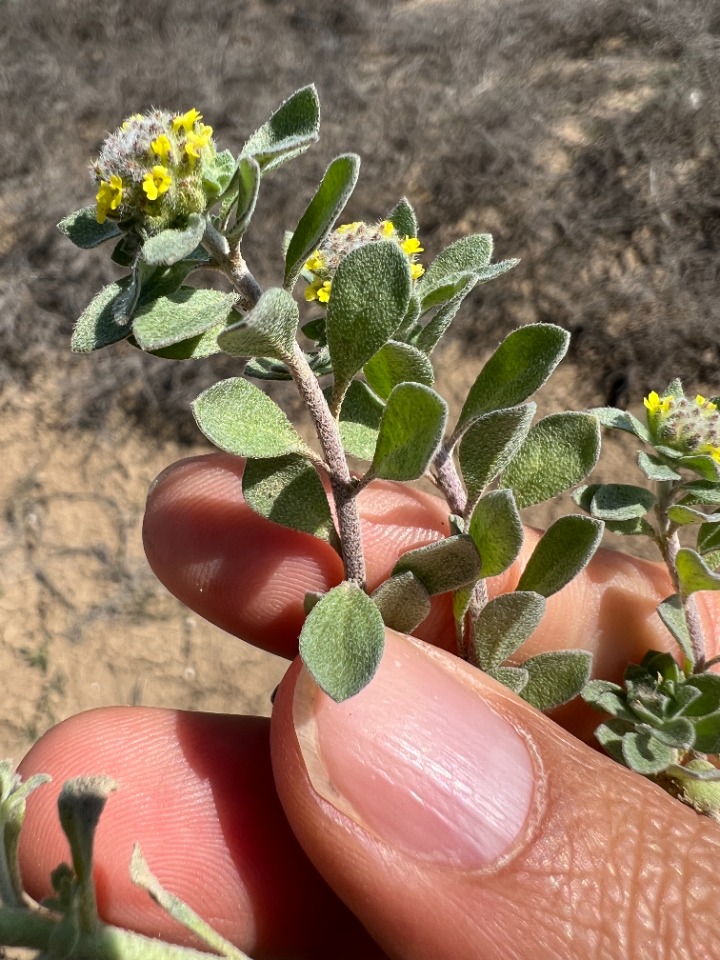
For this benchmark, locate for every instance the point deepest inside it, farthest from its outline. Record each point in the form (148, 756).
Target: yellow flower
(411, 245)
(318, 290)
(347, 227)
(196, 140)
(657, 405)
(187, 121)
(315, 262)
(416, 270)
(704, 404)
(162, 147)
(108, 197)
(156, 182)
(388, 228)
(135, 116)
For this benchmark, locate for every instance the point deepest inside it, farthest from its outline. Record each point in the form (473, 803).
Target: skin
(238, 815)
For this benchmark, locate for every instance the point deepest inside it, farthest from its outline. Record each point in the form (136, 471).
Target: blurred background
(583, 134)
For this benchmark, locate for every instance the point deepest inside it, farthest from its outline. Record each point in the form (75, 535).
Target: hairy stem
(230, 261)
(343, 487)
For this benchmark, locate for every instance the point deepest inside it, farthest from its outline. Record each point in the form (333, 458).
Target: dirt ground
(582, 134)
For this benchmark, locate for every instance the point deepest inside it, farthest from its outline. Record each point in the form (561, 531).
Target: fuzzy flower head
(151, 171)
(691, 427)
(321, 266)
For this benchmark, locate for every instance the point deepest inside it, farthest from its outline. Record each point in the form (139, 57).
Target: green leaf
(706, 467)
(82, 228)
(466, 255)
(97, 325)
(242, 196)
(125, 252)
(457, 285)
(621, 420)
(402, 217)
(707, 734)
(621, 501)
(288, 491)
(342, 641)
(709, 700)
(370, 295)
(360, 417)
(672, 614)
(240, 419)
(195, 348)
(267, 331)
(683, 516)
(520, 365)
(403, 602)
(610, 737)
(411, 431)
(583, 497)
(182, 315)
(708, 538)
(514, 678)
(396, 363)
(265, 368)
(427, 338)
(219, 174)
(702, 492)
(558, 452)
(693, 573)
(644, 753)
(497, 531)
(556, 677)
(170, 246)
(677, 733)
(490, 443)
(289, 132)
(607, 698)
(654, 469)
(504, 624)
(442, 565)
(561, 553)
(323, 210)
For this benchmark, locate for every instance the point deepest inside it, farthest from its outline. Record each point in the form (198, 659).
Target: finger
(196, 792)
(457, 822)
(250, 576)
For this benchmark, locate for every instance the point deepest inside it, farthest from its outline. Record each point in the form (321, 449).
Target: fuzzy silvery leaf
(497, 531)
(654, 469)
(267, 331)
(708, 538)
(583, 497)
(504, 624)
(466, 255)
(288, 491)
(342, 641)
(704, 466)
(677, 733)
(323, 210)
(520, 365)
(170, 246)
(195, 348)
(409, 323)
(315, 330)
(242, 197)
(701, 492)
(672, 614)
(162, 281)
(558, 453)
(240, 419)
(360, 417)
(97, 327)
(443, 565)
(217, 176)
(411, 431)
(402, 217)
(396, 363)
(82, 228)
(621, 501)
(490, 443)
(645, 754)
(184, 314)
(125, 252)
(621, 420)
(608, 698)
(707, 734)
(693, 573)
(514, 678)
(427, 338)
(289, 132)
(709, 700)
(370, 295)
(683, 516)
(461, 605)
(402, 601)
(561, 553)
(444, 289)
(265, 368)
(610, 736)
(555, 677)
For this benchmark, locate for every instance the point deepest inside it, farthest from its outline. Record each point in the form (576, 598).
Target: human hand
(452, 819)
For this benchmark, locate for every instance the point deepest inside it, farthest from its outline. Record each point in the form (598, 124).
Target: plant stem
(448, 481)
(341, 482)
(232, 264)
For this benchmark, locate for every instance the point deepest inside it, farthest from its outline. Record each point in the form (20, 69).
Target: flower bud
(691, 427)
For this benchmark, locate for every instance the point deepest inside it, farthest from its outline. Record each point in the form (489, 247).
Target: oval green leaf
(170, 246)
(504, 624)
(269, 329)
(693, 573)
(180, 316)
(288, 491)
(490, 443)
(411, 431)
(396, 363)
(402, 601)
(443, 565)
(289, 132)
(561, 553)
(82, 228)
(556, 677)
(497, 531)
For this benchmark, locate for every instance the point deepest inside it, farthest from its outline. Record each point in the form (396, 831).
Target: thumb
(457, 822)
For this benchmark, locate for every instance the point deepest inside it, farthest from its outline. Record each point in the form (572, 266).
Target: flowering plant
(171, 204)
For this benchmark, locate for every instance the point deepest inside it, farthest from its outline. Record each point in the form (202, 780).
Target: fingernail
(419, 760)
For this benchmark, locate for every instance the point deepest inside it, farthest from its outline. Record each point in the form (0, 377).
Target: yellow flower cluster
(322, 263)
(109, 197)
(691, 427)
